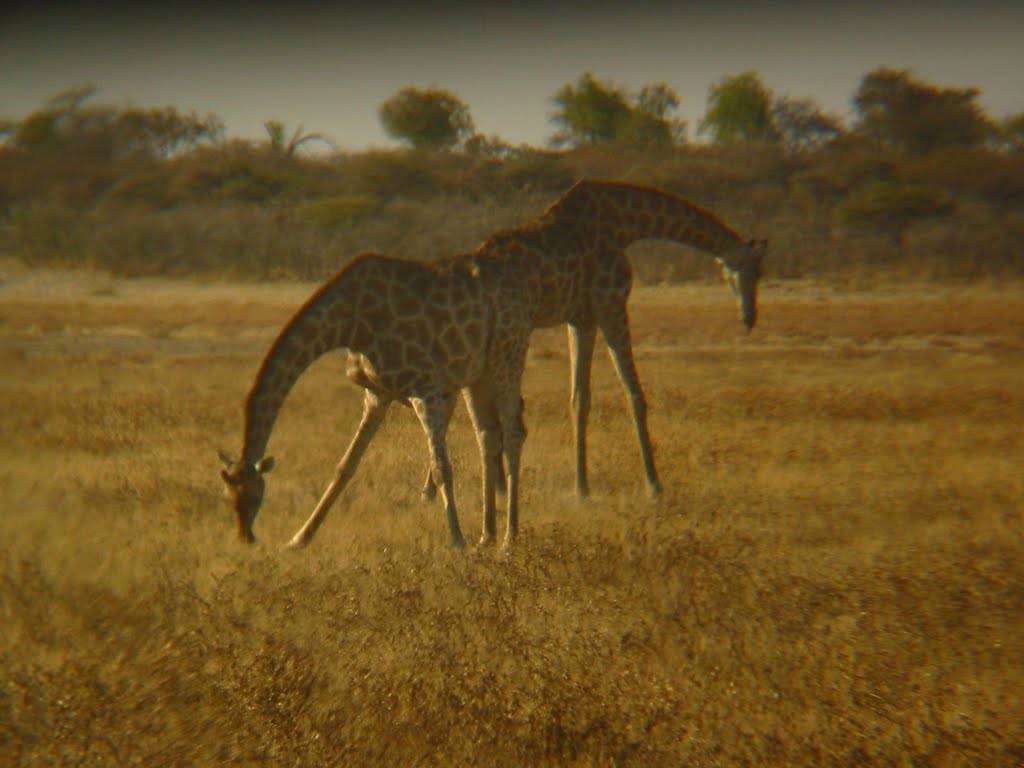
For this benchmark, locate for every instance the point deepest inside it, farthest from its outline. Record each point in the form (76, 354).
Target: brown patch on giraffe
(371, 300)
(474, 334)
(452, 339)
(407, 305)
(410, 329)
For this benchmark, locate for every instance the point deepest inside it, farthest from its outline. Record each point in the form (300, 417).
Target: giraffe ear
(226, 477)
(265, 464)
(225, 459)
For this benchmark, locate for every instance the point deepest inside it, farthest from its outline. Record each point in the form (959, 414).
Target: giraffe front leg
(581, 353)
(429, 492)
(620, 347)
(374, 409)
(434, 415)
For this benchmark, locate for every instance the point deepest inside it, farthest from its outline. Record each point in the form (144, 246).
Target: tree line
(918, 174)
(892, 108)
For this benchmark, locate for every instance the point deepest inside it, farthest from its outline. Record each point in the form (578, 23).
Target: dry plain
(834, 574)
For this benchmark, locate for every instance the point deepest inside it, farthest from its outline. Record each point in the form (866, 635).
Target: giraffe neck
(625, 213)
(317, 328)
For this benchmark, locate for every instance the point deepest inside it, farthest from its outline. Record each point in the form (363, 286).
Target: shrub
(45, 234)
(338, 211)
(889, 208)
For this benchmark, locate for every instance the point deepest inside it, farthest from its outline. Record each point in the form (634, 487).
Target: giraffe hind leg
(513, 431)
(429, 492)
(513, 436)
(434, 415)
(581, 353)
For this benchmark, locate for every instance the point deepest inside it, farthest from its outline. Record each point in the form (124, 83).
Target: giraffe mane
(583, 186)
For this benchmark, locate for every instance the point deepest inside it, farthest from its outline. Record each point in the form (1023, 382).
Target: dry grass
(834, 575)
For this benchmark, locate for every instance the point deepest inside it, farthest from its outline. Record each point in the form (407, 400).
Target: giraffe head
(244, 489)
(742, 268)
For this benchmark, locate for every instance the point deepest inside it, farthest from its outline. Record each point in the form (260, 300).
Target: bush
(338, 211)
(889, 208)
(241, 208)
(389, 175)
(45, 234)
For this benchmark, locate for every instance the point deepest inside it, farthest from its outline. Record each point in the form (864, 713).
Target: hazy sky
(330, 70)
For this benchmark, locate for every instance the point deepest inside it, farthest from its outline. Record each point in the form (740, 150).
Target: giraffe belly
(414, 378)
(361, 371)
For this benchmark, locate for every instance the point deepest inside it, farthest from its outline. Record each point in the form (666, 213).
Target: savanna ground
(834, 574)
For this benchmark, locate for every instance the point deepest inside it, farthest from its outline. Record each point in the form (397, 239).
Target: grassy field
(833, 576)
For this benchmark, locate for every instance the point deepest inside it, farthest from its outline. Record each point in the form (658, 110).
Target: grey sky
(329, 71)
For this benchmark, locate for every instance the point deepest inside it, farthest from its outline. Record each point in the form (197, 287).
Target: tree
(164, 131)
(289, 146)
(590, 112)
(426, 118)
(595, 112)
(739, 109)
(915, 117)
(649, 121)
(102, 132)
(889, 208)
(1011, 132)
(39, 130)
(801, 125)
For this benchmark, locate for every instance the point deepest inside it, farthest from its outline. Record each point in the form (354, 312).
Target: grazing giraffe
(579, 274)
(417, 333)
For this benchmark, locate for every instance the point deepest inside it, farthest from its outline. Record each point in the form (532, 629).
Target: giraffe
(416, 333)
(580, 274)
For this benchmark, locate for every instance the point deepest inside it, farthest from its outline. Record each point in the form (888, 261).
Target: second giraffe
(578, 273)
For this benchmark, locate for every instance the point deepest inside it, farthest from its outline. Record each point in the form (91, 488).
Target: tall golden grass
(833, 576)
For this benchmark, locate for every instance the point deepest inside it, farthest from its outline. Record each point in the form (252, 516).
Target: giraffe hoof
(458, 543)
(486, 540)
(296, 544)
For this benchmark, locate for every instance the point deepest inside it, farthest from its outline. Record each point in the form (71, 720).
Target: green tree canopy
(914, 117)
(739, 108)
(426, 118)
(100, 132)
(590, 112)
(649, 121)
(595, 112)
(801, 125)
